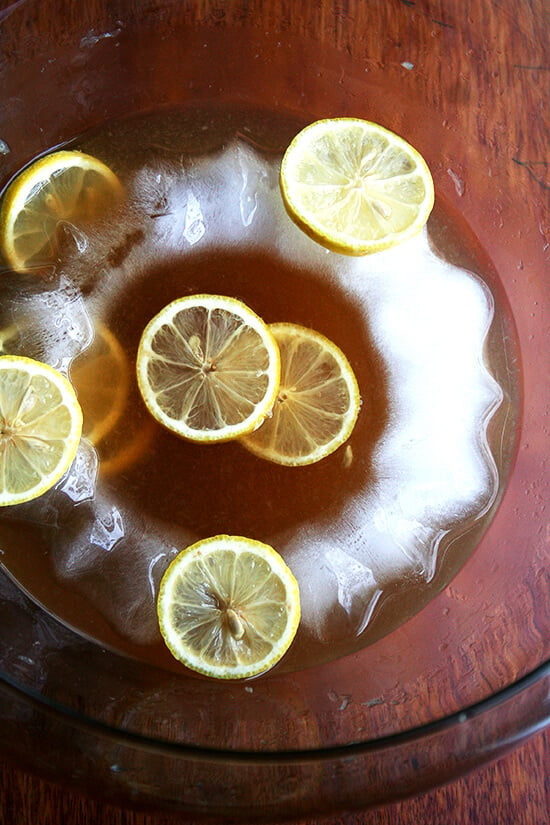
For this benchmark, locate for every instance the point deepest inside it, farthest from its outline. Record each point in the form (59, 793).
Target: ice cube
(79, 482)
(52, 325)
(116, 558)
(432, 470)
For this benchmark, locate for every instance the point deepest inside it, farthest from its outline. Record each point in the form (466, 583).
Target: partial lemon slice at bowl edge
(317, 404)
(354, 186)
(208, 368)
(65, 187)
(40, 428)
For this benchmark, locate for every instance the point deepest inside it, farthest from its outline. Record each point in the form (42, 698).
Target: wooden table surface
(515, 790)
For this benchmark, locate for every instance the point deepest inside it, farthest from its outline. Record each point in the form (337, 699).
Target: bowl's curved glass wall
(467, 88)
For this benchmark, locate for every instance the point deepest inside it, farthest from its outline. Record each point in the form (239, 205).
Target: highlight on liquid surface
(396, 510)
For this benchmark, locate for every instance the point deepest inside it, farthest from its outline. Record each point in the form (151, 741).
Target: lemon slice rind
(354, 186)
(228, 607)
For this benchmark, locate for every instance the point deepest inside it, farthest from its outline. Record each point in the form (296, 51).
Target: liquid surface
(386, 520)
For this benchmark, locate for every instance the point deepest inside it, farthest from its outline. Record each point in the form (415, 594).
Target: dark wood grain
(515, 790)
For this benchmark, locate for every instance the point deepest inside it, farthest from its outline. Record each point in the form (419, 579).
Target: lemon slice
(101, 378)
(208, 368)
(317, 404)
(40, 427)
(355, 187)
(63, 187)
(111, 405)
(228, 607)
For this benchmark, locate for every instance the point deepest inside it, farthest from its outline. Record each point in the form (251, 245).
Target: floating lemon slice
(115, 421)
(208, 368)
(66, 187)
(101, 378)
(228, 607)
(317, 404)
(355, 187)
(40, 427)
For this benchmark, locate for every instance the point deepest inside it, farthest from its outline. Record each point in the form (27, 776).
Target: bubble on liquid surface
(432, 468)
